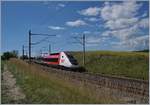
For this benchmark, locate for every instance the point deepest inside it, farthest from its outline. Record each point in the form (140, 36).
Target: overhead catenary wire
(81, 40)
(30, 41)
(33, 34)
(35, 43)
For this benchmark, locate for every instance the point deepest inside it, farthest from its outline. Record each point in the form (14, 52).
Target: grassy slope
(43, 87)
(127, 64)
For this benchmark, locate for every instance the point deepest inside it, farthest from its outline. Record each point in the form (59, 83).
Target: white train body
(61, 59)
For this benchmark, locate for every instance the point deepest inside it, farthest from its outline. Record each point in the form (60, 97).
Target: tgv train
(63, 59)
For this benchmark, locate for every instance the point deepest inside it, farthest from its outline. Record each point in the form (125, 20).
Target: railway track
(132, 86)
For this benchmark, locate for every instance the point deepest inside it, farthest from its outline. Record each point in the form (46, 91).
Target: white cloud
(127, 32)
(75, 33)
(76, 23)
(144, 23)
(61, 5)
(91, 11)
(92, 41)
(106, 33)
(95, 40)
(145, 14)
(121, 23)
(56, 28)
(45, 2)
(92, 44)
(58, 36)
(121, 15)
(127, 9)
(123, 34)
(86, 32)
(137, 43)
(92, 19)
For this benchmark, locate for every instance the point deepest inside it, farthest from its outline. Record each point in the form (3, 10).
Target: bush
(8, 55)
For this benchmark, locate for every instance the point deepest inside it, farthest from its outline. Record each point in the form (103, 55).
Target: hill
(126, 64)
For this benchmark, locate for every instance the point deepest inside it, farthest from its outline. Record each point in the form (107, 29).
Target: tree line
(9, 54)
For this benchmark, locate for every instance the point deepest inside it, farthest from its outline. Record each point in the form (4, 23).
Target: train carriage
(61, 59)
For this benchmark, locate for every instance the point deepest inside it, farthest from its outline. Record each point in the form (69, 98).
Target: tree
(24, 57)
(7, 55)
(15, 53)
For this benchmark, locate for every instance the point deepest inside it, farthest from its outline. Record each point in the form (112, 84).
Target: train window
(70, 56)
(72, 59)
(51, 59)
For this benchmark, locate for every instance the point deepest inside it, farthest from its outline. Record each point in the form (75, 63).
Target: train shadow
(79, 69)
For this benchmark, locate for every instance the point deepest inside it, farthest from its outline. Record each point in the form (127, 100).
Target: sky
(107, 25)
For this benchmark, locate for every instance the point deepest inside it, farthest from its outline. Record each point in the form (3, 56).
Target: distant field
(126, 64)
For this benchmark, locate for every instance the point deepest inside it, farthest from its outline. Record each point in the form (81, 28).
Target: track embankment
(128, 85)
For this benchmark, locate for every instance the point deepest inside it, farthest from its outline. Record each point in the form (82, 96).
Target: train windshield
(72, 59)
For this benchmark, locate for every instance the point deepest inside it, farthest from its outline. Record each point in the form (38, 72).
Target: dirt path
(11, 93)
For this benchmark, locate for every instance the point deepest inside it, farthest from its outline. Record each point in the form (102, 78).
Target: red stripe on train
(54, 63)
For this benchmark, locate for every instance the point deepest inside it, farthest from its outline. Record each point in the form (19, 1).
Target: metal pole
(83, 50)
(23, 52)
(32, 43)
(49, 49)
(41, 53)
(26, 53)
(29, 45)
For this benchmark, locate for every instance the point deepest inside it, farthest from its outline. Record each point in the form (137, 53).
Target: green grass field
(44, 87)
(126, 64)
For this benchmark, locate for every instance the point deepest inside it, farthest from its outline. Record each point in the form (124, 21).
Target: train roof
(59, 53)
(67, 52)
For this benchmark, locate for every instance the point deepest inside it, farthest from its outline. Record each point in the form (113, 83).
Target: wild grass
(126, 64)
(4, 96)
(2, 65)
(44, 87)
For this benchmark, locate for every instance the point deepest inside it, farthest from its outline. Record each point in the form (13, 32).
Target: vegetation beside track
(126, 64)
(43, 87)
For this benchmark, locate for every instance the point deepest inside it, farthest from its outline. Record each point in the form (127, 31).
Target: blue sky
(107, 25)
